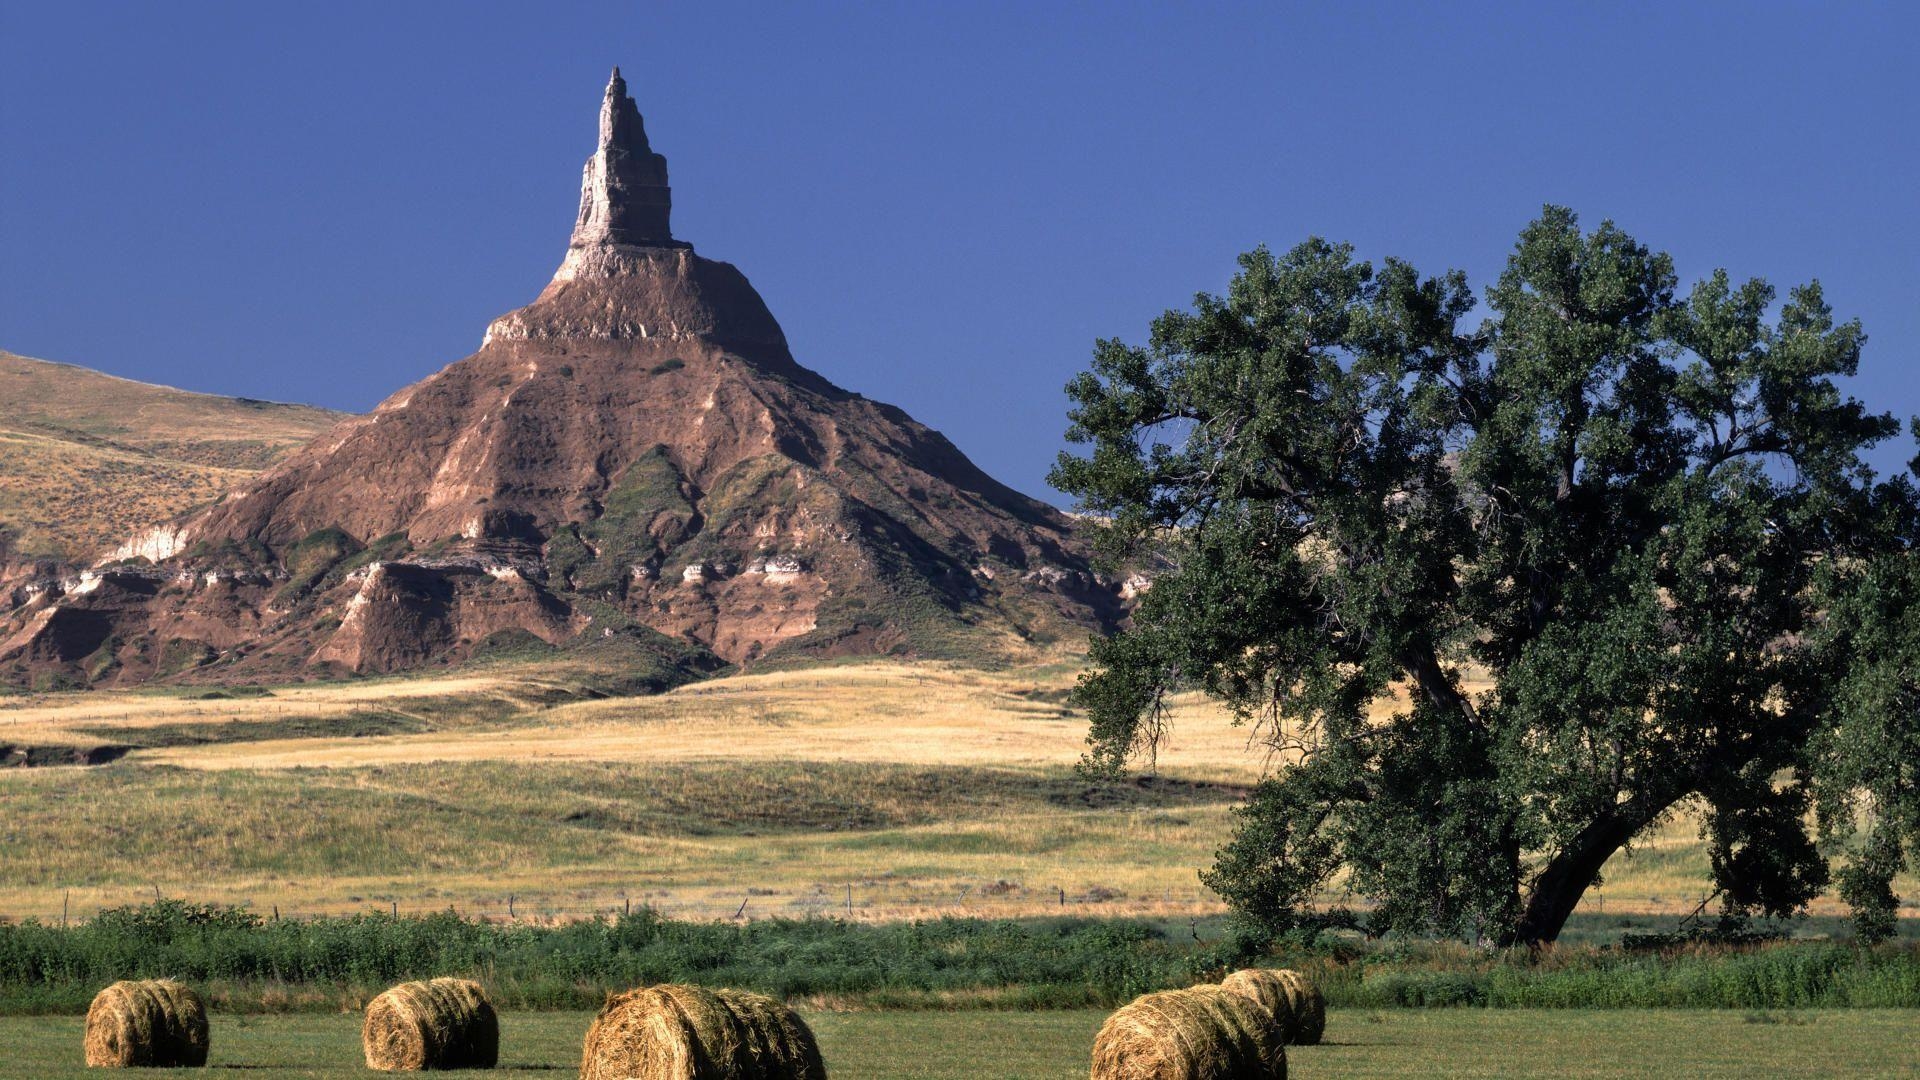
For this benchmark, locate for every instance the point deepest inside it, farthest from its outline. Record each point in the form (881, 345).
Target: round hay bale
(156, 1023)
(1265, 988)
(673, 1032)
(437, 1024)
(190, 1022)
(1206, 1033)
(783, 1045)
(1309, 1008)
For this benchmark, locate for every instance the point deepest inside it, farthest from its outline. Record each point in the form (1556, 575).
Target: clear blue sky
(943, 203)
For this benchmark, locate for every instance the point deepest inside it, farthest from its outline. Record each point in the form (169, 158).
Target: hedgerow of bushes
(245, 963)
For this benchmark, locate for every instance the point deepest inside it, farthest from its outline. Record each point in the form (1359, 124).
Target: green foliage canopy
(1640, 515)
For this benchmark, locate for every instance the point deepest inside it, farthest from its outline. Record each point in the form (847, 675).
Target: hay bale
(190, 1022)
(437, 1024)
(1306, 1002)
(782, 1045)
(673, 1032)
(1206, 1033)
(1309, 1007)
(155, 1023)
(1265, 988)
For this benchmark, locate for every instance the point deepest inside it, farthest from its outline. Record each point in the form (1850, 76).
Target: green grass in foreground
(1055, 1045)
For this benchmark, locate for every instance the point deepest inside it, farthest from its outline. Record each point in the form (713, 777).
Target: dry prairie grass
(87, 459)
(925, 789)
(471, 836)
(898, 721)
(81, 405)
(79, 718)
(70, 500)
(880, 712)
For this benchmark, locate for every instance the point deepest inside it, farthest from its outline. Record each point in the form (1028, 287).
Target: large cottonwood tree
(1632, 514)
(1865, 762)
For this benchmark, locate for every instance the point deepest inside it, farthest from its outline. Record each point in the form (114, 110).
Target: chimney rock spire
(624, 198)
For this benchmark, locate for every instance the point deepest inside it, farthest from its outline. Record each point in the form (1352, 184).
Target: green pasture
(1054, 1045)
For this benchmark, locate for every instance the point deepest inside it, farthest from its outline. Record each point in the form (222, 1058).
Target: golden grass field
(87, 459)
(50, 492)
(904, 789)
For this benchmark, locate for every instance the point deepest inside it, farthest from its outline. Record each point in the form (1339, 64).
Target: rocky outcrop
(624, 197)
(157, 544)
(621, 292)
(636, 453)
(403, 614)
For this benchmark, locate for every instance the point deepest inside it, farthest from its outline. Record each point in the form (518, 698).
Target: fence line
(855, 901)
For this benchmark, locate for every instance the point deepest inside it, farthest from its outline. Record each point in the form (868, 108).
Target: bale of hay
(1265, 988)
(673, 1032)
(1309, 1007)
(783, 1046)
(189, 1021)
(437, 1024)
(156, 1023)
(1285, 989)
(1206, 1033)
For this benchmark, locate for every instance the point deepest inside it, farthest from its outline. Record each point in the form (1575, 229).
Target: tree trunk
(1431, 679)
(1566, 879)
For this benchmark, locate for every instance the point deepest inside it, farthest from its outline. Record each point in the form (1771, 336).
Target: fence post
(66, 900)
(510, 913)
(849, 900)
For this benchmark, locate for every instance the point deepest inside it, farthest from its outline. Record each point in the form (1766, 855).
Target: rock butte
(634, 456)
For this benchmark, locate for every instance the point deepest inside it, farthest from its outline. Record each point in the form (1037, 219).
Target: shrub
(247, 963)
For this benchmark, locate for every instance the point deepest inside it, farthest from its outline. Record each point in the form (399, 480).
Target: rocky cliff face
(636, 453)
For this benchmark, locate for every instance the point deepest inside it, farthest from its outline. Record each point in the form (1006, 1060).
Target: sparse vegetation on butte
(87, 459)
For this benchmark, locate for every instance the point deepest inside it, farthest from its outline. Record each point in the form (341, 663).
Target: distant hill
(87, 459)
